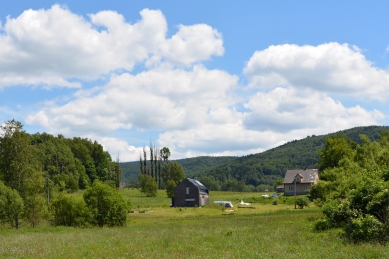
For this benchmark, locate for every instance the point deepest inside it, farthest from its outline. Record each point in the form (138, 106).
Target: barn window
(187, 190)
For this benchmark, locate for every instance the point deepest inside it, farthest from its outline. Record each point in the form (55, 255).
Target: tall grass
(268, 231)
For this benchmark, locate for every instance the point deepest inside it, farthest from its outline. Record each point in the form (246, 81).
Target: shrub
(338, 213)
(302, 201)
(148, 185)
(106, 205)
(275, 201)
(69, 211)
(322, 224)
(366, 229)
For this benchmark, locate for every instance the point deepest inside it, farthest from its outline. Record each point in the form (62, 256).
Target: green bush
(339, 213)
(275, 201)
(106, 205)
(69, 211)
(148, 185)
(322, 224)
(367, 229)
(302, 201)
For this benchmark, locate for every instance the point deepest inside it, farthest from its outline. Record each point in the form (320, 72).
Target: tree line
(38, 170)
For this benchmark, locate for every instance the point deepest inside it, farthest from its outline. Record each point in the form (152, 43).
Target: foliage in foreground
(354, 190)
(102, 205)
(170, 233)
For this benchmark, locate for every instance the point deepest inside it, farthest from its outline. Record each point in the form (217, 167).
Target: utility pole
(295, 192)
(296, 178)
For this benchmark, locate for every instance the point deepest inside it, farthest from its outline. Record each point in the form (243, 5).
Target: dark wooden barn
(190, 193)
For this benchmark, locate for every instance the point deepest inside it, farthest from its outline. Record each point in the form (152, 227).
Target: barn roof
(199, 185)
(306, 175)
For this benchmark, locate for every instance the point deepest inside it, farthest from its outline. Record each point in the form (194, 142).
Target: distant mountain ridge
(261, 168)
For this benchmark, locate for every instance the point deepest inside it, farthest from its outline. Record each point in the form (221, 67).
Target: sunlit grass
(268, 231)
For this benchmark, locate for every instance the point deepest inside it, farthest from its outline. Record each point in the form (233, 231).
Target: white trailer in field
(225, 204)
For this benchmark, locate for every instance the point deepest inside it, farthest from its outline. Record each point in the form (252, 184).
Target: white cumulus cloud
(329, 67)
(56, 47)
(288, 109)
(155, 99)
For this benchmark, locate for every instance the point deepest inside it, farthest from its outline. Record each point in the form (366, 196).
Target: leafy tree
(11, 205)
(35, 208)
(170, 188)
(106, 205)
(175, 174)
(18, 162)
(354, 191)
(69, 210)
(83, 179)
(210, 183)
(233, 186)
(279, 182)
(335, 149)
(147, 185)
(165, 154)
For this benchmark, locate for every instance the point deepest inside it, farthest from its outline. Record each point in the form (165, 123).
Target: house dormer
(298, 178)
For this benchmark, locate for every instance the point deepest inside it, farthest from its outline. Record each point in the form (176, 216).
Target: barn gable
(190, 193)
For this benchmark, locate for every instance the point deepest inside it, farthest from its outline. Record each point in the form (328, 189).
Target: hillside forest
(256, 172)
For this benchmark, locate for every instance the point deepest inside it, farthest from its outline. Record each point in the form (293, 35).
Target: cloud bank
(291, 90)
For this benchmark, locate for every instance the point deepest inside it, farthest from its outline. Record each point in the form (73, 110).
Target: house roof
(199, 185)
(306, 175)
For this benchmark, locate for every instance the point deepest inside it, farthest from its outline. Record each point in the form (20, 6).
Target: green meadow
(154, 230)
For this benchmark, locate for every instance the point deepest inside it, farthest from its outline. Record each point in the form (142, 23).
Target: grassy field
(268, 231)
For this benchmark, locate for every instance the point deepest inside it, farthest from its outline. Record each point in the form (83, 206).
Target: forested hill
(191, 166)
(262, 168)
(268, 166)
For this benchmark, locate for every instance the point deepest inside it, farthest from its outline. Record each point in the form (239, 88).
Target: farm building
(190, 193)
(280, 188)
(302, 180)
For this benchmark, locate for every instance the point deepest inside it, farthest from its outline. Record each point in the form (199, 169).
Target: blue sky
(200, 77)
